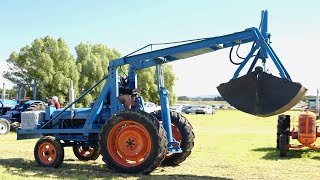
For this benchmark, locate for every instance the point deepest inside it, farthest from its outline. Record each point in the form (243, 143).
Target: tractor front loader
(134, 141)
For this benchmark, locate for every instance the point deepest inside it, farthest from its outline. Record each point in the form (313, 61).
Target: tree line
(50, 63)
(186, 98)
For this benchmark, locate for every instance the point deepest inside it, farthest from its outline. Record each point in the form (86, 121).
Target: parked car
(177, 108)
(150, 107)
(185, 108)
(204, 110)
(191, 110)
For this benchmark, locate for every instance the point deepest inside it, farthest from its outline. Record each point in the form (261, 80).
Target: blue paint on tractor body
(87, 122)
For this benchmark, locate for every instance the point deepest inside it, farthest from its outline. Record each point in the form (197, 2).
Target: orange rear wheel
(129, 143)
(133, 142)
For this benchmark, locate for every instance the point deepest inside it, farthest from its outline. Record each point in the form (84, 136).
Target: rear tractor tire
(86, 153)
(283, 145)
(133, 142)
(4, 126)
(48, 152)
(182, 132)
(283, 127)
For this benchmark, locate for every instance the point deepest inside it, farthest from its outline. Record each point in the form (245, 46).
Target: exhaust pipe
(71, 98)
(3, 93)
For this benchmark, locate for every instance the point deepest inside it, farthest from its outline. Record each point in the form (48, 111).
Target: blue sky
(129, 25)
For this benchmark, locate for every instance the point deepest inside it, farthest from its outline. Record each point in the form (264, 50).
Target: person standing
(56, 102)
(50, 102)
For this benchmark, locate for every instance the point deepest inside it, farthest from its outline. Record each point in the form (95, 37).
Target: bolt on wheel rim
(129, 143)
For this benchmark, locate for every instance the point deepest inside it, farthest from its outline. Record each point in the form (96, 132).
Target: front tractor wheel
(86, 153)
(4, 126)
(182, 132)
(133, 142)
(49, 152)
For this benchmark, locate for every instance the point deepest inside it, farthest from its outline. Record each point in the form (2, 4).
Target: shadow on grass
(274, 153)
(29, 169)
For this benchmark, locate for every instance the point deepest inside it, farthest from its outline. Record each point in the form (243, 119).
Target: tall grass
(228, 145)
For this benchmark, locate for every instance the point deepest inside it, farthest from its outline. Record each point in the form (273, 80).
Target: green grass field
(228, 145)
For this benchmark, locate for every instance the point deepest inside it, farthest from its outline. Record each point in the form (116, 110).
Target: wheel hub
(131, 143)
(85, 148)
(47, 153)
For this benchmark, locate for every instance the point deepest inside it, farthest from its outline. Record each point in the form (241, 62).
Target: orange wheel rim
(129, 143)
(85, 151)
(47, 153)
(176, 134)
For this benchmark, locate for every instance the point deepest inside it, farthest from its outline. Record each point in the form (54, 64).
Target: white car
(177, 108)
(150, 107)
(204, 110)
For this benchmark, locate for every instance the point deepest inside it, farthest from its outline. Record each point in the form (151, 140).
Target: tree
(49, 63)
(148, 85)
(183, 98)
(10, 93)
(94, 62)
(218, 98)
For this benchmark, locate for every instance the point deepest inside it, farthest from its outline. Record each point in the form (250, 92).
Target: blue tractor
(10, 110)
(134, 141)
(10, 117)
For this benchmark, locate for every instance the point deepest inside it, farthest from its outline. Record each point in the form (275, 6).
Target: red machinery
(306, 132)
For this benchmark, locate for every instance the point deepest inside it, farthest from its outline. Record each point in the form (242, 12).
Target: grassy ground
(228, 145)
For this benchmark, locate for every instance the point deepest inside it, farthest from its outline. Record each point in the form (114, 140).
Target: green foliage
(218, 98)
(94, 61)
(148, 85)
(10, 93)
(48, 62)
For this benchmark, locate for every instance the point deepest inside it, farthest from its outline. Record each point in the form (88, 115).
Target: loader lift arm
(262, 84)
(261, 46)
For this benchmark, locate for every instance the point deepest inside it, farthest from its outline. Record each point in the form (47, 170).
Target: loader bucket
(262, 94)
